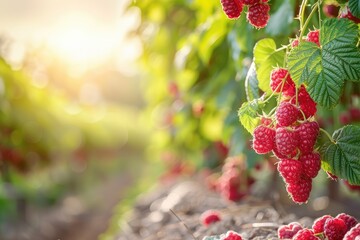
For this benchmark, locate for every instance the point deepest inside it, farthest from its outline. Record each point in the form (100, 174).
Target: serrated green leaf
(342, 158)
(266, 58)
(251, 84)
(325, 69)
(354, 6)
(248, 115)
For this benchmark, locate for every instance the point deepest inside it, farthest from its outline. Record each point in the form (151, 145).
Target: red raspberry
(350, 221)
(286, 140)
(347, 14)
(300, 191)
(232, 8)
(352, 187)
(295, 43)
(331, 10)
(318, 226)
(276, 81)
(354, 114)
(258, 14)
(305, 234)
(231, 235)
(353, 234)
(250, 2)
(311, 164)
(263, 139)
(306, 103)
(344, 118)
(313, 36)
(282, 156)
(288, 231)
(266, 121)
(307, 132)
(286, 114)
(291, 170)
(335, 229)
(209, 217)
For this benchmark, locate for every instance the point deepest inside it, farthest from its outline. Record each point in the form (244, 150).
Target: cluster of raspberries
(341, 227)
(312, 36)
(258, 11)
(291, 136)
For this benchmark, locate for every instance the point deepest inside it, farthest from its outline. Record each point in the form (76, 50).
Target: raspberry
(291, 170)
(331, 10)
(231, 235)
(266, 121)
(276, 81)
(232, 8)
(354, 114)
(347, 14)
(307, 132)
(353, 234)
(352, 187)
(350, 221)
(318, 226)
(311, 164)
(313, 36)
(305, 234)
(286, 114)
(282, 156)
(209, 217)
(335, 229)
(263, 139)
(258, 14)
(288, 231)
(306, 103)
(250, 2)
(300, 191)
(286, 140)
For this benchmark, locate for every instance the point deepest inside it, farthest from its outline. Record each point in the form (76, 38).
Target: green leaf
(342, 158)
(354, 6)
(325, 69)
(248, 115)
(280, 21)
(266, 58)
(251, 84)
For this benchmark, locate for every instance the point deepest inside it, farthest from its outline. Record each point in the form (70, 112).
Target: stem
(328, 135)
(302, 13)
(307, 21)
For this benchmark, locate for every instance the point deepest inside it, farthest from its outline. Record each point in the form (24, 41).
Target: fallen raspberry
(209, 217)
(307, 132)
(277, 77)
(335, 229)
(291, 170)
(231, 235)
(305, 234)
(353, 234)
(318, 225)
(286, 140)
(300, 191)
(286, 114)
(263, 139)
(313, 36)
(311, 164)
(288, 231)
(350, 221)
(258, 14)
(232, 8)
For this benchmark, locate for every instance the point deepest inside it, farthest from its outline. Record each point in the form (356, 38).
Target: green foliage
(281, 21)
(248, 115)
(354, 6)
(251, 84)
(342, 157)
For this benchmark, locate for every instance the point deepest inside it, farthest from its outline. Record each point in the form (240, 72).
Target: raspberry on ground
(263, 139)
(313, 36)
(353, 234)
(305, 234)
(311, 164)
(286, 114)
(307, 132)
(318, 225)
(231, 235)
(291, 170)
(258, 14)
(232, 8)
(209, 217)
(300, 191)
(350, 221)
(277, 77)
(286, 140)
(288, 231)
(335, 229)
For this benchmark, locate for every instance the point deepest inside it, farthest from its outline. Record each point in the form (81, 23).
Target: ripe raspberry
(352, 187)
(311, 164)
(331, 10)
(335, 229)
(288, 231)
(276, 81)
(295, 43)
(347, 14)
(263, 139)
(291, 170)
(313, 36)
(209, 217)
(266, 121)
(286, 114)
(305, 234)
(286, 140)
(318, 225)
(258, 14)
(231, 235)
(307, 132)
(300, 191)
(232, 8)
(344, 118)
(354, 114)
(353, 234)
(282, 156)
(350, 221)
(250, 2)
(306, 103)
